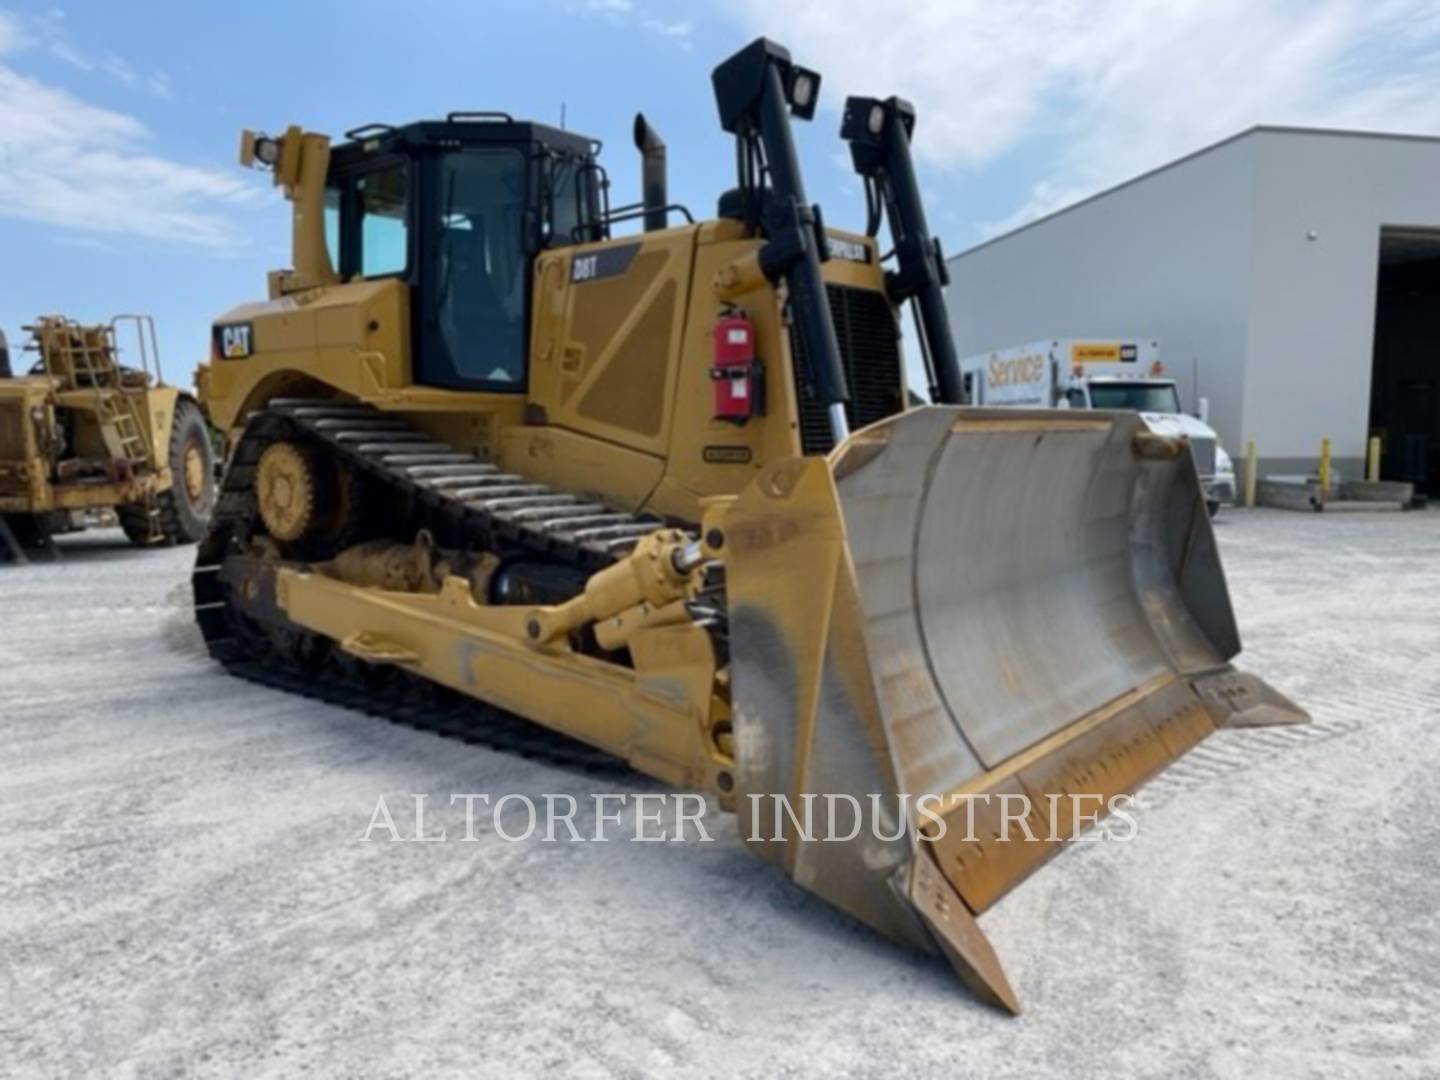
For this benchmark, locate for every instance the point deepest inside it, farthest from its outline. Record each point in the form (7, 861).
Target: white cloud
(1043, 198)
(47, 32)
(89, 170)
(90, 243)
(63, 50)
(159, 84)
(1116, 87)
(118, 69)
(677, 31)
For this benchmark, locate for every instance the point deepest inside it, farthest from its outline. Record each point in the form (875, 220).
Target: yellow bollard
(1325, 470)
(1251, 474)
(1372, 467)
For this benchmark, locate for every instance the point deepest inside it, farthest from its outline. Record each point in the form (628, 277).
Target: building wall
(1211, 257)
(1165, 257)
(1312, 313)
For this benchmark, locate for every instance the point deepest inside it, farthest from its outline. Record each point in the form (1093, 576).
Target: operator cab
(458, 209)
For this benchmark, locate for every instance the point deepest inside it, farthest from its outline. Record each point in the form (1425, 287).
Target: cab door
(474, 300)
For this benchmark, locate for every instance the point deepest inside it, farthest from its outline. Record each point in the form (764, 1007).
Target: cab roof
(1150, 380)
(460, 129)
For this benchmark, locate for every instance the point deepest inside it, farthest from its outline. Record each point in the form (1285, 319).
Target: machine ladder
(85, 358)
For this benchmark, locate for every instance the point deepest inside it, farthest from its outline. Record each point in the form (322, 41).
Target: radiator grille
(1202, 448)
(12, 432)
(870, 353)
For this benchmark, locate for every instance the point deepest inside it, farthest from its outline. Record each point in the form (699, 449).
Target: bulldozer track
(467, 502)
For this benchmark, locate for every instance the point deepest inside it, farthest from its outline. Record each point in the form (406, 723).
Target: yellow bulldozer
(84, 436)
(500, 468)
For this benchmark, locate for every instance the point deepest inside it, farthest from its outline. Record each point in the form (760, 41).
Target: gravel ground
(185, 891)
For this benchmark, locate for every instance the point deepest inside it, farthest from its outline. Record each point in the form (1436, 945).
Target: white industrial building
(1291, 277)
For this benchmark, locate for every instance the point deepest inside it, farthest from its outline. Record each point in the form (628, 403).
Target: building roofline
(1257, 129)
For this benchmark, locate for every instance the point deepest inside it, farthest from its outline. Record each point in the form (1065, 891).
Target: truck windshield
(1141, 397)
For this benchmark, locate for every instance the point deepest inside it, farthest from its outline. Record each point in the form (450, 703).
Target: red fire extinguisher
(737, 379)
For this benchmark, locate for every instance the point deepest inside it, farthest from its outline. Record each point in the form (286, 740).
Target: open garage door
(1405, 385)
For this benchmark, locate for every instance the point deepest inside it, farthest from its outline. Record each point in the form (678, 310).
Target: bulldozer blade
(954, 642)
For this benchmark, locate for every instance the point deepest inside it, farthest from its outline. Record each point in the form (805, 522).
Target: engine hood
(1178, 424)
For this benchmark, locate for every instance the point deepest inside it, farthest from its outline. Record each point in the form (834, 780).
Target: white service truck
(1097, 373)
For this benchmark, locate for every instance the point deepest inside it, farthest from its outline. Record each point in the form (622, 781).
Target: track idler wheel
(304, 498)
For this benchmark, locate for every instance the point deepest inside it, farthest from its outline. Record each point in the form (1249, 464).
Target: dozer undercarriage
(660, 496)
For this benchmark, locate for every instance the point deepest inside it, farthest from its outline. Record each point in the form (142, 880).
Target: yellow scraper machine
(658, 497)
(86, 438)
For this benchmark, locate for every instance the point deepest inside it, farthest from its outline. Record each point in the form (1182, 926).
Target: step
(470, 466)
(409, 447)
(425, 459)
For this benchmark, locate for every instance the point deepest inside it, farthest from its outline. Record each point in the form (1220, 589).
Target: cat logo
(233, 342)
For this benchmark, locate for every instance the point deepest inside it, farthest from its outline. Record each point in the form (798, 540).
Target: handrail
(148, 349)
(629, 213)
(492, 115)
(364, 129)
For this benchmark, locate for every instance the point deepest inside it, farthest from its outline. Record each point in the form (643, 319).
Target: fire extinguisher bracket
(736, 377)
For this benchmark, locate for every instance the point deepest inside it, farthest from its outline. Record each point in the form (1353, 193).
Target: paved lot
(183, 890)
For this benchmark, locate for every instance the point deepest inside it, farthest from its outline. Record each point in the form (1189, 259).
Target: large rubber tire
(186, 507)
(135, 521)
(192, 466)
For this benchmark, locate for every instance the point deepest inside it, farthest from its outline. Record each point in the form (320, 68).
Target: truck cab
(1157, 400)
(1110, 374)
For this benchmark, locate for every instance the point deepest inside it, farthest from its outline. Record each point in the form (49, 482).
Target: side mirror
(1204, 410)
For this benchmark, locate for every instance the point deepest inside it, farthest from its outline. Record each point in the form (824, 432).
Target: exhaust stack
(652, 173)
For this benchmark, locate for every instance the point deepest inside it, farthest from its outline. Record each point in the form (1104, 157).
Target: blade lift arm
(879, 136)
(757, 90)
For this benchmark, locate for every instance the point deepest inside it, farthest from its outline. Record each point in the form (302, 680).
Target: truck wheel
(182, 513)
(1212, 506)
(135, 521)
(192, 468)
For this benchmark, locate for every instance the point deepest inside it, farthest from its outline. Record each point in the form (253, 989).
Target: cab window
(332, 225)
(565, 207)
(383, 237)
